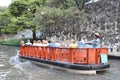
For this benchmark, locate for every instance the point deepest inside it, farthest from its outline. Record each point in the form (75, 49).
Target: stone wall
(22, 34)
(104, 17)
(5, 37)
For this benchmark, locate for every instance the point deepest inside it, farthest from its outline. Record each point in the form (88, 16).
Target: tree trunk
(34, 34)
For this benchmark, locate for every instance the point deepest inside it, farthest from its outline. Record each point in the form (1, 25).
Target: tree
(22, 12)
(4, 20)
(33, 6)
(16, 24)
(18, 7)
(51, 15)
(65, 4)
(55, 20)
(47, 19)
(2, 9)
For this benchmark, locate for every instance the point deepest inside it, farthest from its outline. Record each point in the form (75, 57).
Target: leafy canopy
(19, 15)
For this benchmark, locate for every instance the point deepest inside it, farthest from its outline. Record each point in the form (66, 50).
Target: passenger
(52, 43)
(63, 45)
(22, 43)
(58, 44)
(28, 42)
(39, 43)
(96, 41)
(34, 43)
(45, 43)
(73, 45)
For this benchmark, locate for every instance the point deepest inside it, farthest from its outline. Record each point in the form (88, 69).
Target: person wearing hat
(96, 41)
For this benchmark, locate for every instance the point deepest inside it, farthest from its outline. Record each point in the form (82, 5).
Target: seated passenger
(34, 43)
(52, 43)
(45, 43)
(95, 43)
(28, 42)
(39, 43)
(22, 43)
(73, 45)
(58, 44)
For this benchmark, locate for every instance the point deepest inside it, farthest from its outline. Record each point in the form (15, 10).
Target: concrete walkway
(113, 52)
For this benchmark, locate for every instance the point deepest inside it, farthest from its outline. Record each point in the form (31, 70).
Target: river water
(11, 68)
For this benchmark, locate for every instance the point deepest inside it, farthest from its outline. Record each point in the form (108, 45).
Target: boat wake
(15, 61)
(21, 67)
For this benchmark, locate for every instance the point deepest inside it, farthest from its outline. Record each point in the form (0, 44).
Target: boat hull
(96, 67)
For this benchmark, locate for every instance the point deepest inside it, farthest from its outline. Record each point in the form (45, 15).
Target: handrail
(72, 55)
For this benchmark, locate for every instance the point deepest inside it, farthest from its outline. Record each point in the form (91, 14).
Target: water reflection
(11, 68)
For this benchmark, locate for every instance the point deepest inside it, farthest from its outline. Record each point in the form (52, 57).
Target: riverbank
(13, 42)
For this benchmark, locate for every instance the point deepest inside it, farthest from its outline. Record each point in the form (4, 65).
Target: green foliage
(62, 4)
(14, 41)
(41, 14)
(66, 4)
(19, 15)
(16, 24)
(52, 20)
(18, 7)
(11, 42)
(2, 9)
(48, 16)
(4, 19)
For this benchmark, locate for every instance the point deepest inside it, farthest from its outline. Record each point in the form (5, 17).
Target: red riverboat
(71, 58)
